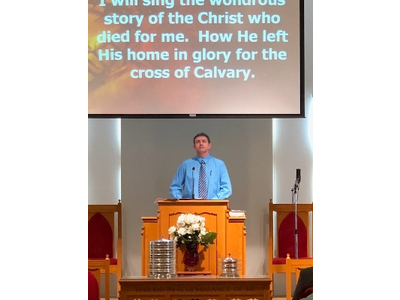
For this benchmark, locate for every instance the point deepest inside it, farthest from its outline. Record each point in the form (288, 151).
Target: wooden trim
(196, 287)
(101, 266)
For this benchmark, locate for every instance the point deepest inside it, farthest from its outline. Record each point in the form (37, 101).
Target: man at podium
(202, 176)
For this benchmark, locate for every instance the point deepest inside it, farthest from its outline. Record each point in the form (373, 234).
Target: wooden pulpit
(230, 228)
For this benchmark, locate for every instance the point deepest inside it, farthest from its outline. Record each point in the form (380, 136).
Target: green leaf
(208, 239)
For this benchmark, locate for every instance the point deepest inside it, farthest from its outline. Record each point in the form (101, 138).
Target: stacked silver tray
(162, 259)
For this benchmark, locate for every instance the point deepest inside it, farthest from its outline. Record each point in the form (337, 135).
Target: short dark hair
(201, 134)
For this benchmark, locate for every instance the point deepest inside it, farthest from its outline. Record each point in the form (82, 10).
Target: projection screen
(195, 58)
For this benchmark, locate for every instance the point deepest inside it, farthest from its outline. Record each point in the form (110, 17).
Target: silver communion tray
(162, 259)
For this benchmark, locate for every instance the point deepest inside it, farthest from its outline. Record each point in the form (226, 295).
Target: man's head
(201, 134)
(202, 144)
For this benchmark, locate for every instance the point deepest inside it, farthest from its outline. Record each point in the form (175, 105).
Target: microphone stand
(295, 190)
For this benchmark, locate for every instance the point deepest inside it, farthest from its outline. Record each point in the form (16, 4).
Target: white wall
(104, 161)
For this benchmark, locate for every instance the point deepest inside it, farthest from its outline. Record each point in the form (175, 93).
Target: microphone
(298, 176)
(193, 182)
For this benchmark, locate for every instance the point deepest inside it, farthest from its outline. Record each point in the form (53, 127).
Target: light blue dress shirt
(186, 179)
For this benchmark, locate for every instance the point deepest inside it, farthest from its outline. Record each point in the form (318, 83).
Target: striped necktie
(202, 181)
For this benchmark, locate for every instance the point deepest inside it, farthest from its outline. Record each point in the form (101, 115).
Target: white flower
(182, 231)
(190, 228)
(171, 230)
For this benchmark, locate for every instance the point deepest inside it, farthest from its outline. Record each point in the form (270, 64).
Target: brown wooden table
(198, 287)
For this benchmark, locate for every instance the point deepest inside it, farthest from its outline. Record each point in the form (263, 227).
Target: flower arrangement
(190, 229)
